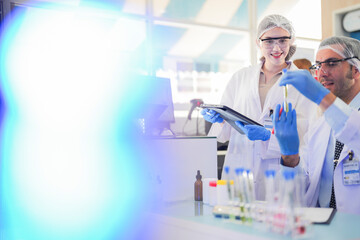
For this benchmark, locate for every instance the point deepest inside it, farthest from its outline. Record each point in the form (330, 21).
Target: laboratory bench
(194, 220)
(175, 216)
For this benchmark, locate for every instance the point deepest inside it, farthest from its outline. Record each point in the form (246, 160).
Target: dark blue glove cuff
(282, 161)
(283, 164)
(289, 152)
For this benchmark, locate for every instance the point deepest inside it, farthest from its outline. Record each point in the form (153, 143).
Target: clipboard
(231, 116)
(318, 215)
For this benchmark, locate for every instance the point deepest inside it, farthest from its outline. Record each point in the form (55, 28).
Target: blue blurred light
(72, 165)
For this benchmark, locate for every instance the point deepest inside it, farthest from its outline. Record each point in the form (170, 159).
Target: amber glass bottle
(198, 188)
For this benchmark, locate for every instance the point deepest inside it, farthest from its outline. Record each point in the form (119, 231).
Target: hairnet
(274, 21)
(345, 47)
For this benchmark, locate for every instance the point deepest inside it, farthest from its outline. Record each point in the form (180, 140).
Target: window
(200, 44)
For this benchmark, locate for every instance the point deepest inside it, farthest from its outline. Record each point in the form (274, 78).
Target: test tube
(250, 193)
(227, 169)
(270, 197)
(241, 193)
(286, 106)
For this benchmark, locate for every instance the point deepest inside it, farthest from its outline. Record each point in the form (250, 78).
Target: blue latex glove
(286, 131)
(211, 116)
(306, 84)
(254, 132)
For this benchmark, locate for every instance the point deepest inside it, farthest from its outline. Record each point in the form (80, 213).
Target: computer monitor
(158, 112)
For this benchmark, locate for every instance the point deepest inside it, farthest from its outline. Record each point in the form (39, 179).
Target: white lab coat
(347, 197)
(242, 94)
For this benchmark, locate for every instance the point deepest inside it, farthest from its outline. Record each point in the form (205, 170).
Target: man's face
(335, 76)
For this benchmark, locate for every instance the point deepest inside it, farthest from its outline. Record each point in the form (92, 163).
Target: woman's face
(275, 45)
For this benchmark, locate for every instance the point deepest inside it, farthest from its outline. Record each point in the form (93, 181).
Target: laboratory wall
(328, 10)
(197, 47)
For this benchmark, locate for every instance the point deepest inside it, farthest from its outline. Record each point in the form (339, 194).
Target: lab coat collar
(289, 66)
(355, 103)
(274, 95)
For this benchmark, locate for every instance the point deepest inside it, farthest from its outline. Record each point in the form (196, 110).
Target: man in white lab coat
(255, 92)
(332, 169)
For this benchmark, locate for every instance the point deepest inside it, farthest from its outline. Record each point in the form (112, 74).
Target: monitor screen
(158, 110)
(161, 103)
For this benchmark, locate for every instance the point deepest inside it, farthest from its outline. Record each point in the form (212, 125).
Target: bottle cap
(270, 173)
(221, 182)
(198, 176)
(239, 171)
(212, 183)
(289, 174)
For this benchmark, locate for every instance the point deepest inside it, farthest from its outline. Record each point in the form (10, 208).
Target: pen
(351, 155)
(273, 130)
(271, 112)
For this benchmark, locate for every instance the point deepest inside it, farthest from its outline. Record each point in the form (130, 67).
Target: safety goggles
(269, 43)
(330, 63)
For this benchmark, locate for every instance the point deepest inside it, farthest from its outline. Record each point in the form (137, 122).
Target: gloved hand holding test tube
(286, 105)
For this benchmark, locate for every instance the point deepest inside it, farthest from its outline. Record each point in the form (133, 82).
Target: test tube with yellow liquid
(286, 106)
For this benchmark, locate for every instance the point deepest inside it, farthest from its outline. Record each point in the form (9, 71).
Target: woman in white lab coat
(254, 92)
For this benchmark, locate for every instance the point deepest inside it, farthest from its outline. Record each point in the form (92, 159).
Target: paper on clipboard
(315, 215)
(318, 215)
